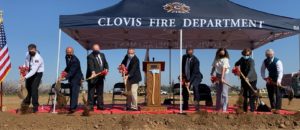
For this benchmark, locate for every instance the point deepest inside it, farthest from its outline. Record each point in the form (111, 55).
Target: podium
(153, 82)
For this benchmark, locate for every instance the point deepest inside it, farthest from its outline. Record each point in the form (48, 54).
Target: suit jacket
(134, 71)
(73, 69)
(93, 65)
(195, 74)
(248, 68)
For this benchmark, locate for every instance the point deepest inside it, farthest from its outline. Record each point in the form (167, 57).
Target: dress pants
(96, 88)
(32, 86)
(275, 96)
(132, 97)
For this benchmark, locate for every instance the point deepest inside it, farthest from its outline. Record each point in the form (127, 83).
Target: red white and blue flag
(5, 64)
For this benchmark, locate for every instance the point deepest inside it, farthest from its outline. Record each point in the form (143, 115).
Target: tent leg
(180, 70)
(170, 67)
(57, 68)
(299, 53)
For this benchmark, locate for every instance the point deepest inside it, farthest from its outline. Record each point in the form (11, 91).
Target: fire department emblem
(177, 7)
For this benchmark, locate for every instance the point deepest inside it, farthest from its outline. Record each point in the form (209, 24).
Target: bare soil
(201, 120)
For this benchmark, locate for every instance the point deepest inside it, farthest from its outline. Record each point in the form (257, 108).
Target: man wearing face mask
(97, 63)
(193, 77)
(74, 76)
(33, 78)
(275, 69)
(132, 63)
(247, 67)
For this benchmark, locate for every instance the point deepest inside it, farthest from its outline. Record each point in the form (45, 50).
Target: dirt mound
(198, 120)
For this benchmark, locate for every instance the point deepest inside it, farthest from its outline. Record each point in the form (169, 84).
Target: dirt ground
(201, 120)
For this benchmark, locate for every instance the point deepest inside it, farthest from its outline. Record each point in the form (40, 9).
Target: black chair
(118, 90)
(176, 92)
(205, 94)
(65, 90)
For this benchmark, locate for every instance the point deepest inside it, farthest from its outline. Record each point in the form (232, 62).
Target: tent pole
(57, 68)
(299, 53)
(180, 70)
(170, 66)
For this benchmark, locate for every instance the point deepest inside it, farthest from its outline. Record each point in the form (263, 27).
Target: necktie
(99, 60)
(30, 59)
(128, 61)
(187, 68)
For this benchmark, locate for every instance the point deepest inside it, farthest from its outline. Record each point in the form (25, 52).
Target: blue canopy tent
(167, 24)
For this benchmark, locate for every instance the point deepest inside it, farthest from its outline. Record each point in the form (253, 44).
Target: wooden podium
(153, 77)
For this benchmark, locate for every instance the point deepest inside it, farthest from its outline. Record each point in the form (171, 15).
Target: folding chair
(118, 90)
(176, 92)
(65, 90)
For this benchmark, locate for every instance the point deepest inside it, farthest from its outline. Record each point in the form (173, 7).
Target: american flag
(5, 64)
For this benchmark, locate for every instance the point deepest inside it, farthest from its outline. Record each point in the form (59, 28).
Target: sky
(36, 21)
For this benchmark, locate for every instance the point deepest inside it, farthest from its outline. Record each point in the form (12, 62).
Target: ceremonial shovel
(255, 92)
(154, 71)
(261, 106)
(125, 93)
(289, 90)
(214, 79)
(104, 72)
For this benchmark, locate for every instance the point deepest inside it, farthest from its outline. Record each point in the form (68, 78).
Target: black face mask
(69, 56)
(32, 53)
(269, 58)
(221, 55)
(96, 52)
(189, 55)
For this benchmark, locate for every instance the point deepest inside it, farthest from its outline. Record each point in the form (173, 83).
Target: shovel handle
(248, 82)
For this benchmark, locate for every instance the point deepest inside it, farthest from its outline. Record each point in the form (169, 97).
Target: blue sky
(36, 21)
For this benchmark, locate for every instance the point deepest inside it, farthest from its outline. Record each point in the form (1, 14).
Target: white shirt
(220, 64)
(279, 67)
(36, 63)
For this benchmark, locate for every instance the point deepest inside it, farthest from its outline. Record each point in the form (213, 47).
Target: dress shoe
(100, 108)
(134, 109)
(91, 109)
(72, 111)
(35, 110)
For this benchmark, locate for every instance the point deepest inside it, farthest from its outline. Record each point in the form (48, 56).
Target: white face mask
(130, 55)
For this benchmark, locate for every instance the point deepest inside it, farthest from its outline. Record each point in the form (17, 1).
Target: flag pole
(1, 93)
(1, 101)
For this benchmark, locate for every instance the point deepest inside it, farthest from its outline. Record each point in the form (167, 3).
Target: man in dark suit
(132, 77)
(74, 76)
(97, 63)
(193, 77)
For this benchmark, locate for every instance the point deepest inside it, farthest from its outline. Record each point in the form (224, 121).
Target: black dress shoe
(91, 109)
(35, 110)
(185, 108)
(72, 111)
(127, 109)
(133, 109)
(100, 108)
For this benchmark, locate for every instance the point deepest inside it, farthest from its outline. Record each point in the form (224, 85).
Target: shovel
(262, 107)
(287, 89)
